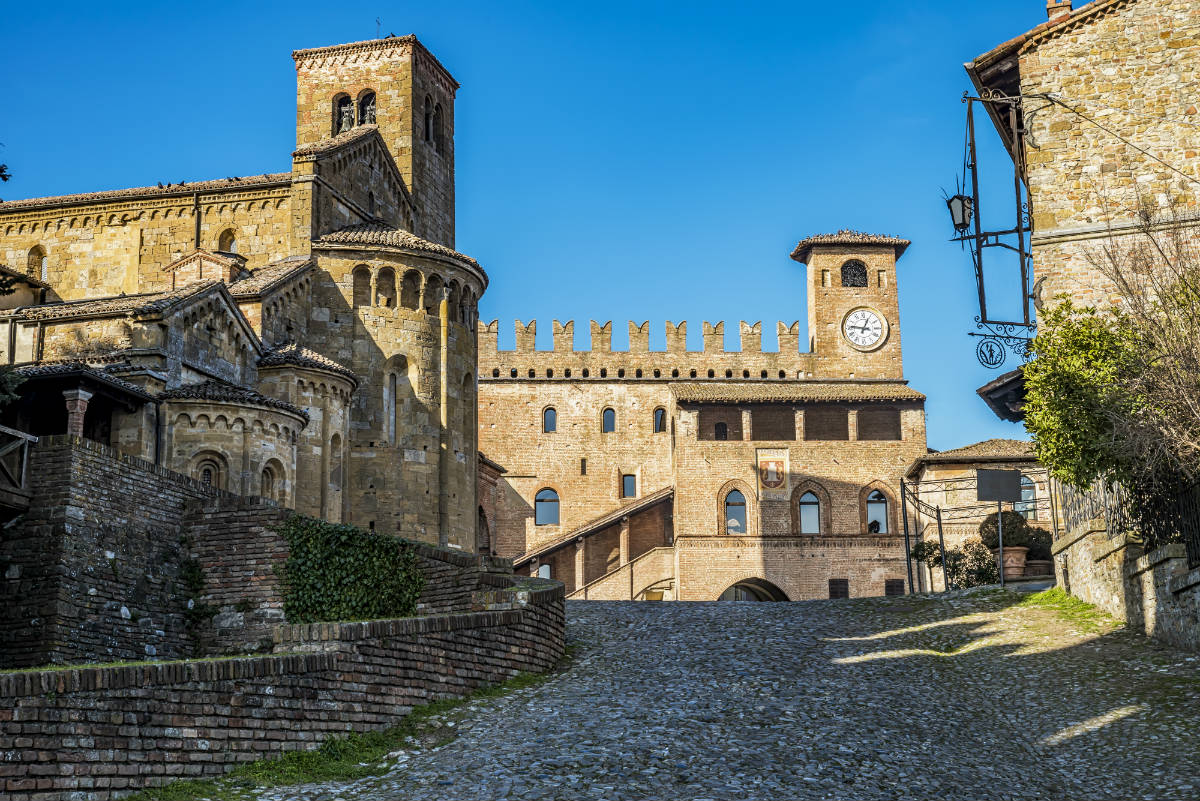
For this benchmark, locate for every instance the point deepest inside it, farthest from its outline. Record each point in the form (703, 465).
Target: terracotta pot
(1039, 567)
(1014, 560)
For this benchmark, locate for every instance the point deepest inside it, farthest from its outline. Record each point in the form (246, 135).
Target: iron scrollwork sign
(997, 340)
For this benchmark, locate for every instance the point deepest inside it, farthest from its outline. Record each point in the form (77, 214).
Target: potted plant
(1016, 541)
(1038, 561)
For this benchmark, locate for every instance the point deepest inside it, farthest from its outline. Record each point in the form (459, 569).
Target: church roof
(334, 142)
(847, 237)
(145, 303)
(254, 181)
(379, 233)
(228, 393)
(263, 279)
(794, 392)
(294, 354)
(82, 369)
(20, 276)
(990, 450)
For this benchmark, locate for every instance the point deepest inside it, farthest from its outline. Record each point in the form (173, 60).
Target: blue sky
(624, 160)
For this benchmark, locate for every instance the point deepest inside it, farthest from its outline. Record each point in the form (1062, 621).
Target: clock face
(863, 328)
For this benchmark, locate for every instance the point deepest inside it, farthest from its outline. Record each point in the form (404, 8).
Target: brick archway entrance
(753, 589)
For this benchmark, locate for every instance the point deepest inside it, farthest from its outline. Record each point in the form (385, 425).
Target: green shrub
(970, 566)
(339, 572)
(1016, 530)
(1039, 544)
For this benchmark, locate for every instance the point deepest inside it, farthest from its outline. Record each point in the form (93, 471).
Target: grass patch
(354, 756)
(1082, 615)
(144, 662)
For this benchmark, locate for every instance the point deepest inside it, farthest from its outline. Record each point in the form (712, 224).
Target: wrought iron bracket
(997, 340)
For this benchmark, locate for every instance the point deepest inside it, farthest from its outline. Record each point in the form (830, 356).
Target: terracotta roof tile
(847, 237)
(334, 142)
(20, 276)
(228, 393)
(794, 392)
(149, 191)
(378, 233)
(146, 303)
(989, 448)
(266, 277)
(1047, 29)
(294, 354)
(49, 369)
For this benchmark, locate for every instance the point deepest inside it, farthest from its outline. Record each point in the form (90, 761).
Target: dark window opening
(893, 587)
(583, 467)
(879, 424)
(839, 588)
(721, 432)
(826, 424)
(549, 420)
(854, 273)
(366, 109)
(773, 423)
(660, 420)
(343, 114)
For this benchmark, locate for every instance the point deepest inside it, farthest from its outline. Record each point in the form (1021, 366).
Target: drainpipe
(444, 428)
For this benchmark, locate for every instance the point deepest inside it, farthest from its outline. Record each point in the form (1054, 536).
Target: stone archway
(752, 589)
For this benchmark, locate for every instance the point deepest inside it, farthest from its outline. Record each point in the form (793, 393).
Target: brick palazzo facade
(700, 475)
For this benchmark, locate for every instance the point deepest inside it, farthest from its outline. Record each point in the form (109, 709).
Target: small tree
(1016, 530)
(972, 565)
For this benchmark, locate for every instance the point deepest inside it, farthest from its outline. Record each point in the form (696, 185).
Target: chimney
(1057, 9)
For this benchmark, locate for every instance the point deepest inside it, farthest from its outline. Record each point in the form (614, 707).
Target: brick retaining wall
(89, 733)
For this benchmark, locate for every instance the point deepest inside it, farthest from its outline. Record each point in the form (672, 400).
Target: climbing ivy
(339, 572)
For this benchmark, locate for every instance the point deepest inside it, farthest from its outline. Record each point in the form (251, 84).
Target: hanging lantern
(962, 210)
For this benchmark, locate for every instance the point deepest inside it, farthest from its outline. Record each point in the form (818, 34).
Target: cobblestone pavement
(963, 697)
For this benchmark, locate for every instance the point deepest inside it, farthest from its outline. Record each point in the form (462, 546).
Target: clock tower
(853, 311)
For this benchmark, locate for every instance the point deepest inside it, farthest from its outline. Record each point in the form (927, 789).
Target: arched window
(877, 513)
(660, 420)
(549, 420)
(433, 295)
(854, 273)
(735, 512)
(366, 109)
(439, 142)
(810, 514)
(36, 262)
(721, 431)
(389, 406)
(227, 242)
(608, 421)
(410, 290)
(371, 203)
(1028, 504)
(385, 288)
(335, 463)
(362, 285)
(545, 508)
(267, 486)
(428, 119)
(208, 473)
(343, 114)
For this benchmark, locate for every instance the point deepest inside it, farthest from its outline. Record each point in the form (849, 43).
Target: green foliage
(1076, 390)
(1016, 530)
(339, 572)
(1085, 616)
(195, 614)
(1039, 544)
(973, 565)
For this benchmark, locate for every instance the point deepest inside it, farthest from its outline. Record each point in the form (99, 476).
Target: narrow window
(1028, 504)
(206, 476)
(227, 243)
(439, 142)
(877, 513)
(268, 483)
(810, 514)
(366, 109)
(428, 118)
(36, 262)
(343, 114)
(608, 421)
(390, 408)
(893, 587)
(362, 285)
(549, 420)
(543, 571)
(721, 431)
(660, 420)
(628, 486)
(545, 508)
(735, 513)
(583, 467)
(839, 588)
(854, 273)
(371, 203)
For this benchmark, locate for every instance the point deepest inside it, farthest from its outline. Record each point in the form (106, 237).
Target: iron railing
(1103, 501)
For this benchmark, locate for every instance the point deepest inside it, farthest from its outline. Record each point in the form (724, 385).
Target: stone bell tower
(853, 312)
(397, 85)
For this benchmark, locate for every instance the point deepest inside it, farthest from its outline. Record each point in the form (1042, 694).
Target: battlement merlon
(750, 335)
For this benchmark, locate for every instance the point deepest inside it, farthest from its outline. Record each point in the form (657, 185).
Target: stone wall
(1154, 593)
(92, 733)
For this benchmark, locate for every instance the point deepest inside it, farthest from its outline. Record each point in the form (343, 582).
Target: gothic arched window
(854, 273)
(366, 109)
(810, 514)
(735, 512)
(877, 513)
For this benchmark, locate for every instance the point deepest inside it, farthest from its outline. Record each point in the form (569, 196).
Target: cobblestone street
(966, 697)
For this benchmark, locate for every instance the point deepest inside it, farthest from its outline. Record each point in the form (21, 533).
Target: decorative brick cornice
(368, 49)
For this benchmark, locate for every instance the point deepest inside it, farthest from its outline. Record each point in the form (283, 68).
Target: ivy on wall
(335, 571)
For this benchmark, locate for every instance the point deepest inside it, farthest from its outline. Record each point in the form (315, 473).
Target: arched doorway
(753, 589)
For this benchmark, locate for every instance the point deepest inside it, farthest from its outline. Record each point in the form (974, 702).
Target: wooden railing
(14, 467)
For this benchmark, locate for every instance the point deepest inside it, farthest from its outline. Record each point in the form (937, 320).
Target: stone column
(624, 541)
(852, 423)
(579, 563)
(77, 403)
(747, 424)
